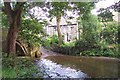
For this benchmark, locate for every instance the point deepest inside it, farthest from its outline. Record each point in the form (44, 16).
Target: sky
(100, 4)
(103, 4)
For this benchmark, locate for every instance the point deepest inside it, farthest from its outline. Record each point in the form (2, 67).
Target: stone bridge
(23, 49)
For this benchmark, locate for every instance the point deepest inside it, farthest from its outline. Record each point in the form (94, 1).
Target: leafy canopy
(32, 31)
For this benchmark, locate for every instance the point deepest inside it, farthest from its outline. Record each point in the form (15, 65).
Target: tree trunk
(14, 25)
(11, 41)
(58, 30)
(14, 19)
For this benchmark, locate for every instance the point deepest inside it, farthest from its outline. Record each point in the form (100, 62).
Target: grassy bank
(19, 67)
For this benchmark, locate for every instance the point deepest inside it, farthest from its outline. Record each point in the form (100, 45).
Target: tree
(90, 27)
(105, 16)
(13, 10)
(85, 18)
(115, 7)
(32, 32)
(58, 10)
(110, 33)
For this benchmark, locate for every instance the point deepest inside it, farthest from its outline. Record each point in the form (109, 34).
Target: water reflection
(93, 67)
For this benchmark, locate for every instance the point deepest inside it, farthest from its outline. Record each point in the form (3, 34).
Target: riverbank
(53, 64)
(19, 67)
(47, 53)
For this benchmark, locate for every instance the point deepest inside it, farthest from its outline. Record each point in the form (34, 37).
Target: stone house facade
(69, 31)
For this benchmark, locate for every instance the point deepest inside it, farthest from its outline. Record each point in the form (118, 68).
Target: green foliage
(110, 33)
(50, 42)
(8, 70)
(84, 7)
(26, 68)
(58, 8)
(105, 15)
(90, 27)
(84, 48)
(104, 52)
(71, 44)
(94, 41)
(53, 39)
(65, 49)
(83, 45)
(19, 68)
(4, 23)
(32, 31)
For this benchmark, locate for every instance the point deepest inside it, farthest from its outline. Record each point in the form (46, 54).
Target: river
(64, 66)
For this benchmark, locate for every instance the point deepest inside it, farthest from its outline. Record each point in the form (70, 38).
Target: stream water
(53, 70)
(95, 67)
(64, 66)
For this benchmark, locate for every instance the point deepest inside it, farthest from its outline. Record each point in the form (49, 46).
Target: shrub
(50, 42)
(66, 48)
(85, 45)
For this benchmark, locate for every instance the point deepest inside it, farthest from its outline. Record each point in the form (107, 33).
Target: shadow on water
(99, 67)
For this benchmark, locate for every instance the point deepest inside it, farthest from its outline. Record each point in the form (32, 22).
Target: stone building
(69, 31)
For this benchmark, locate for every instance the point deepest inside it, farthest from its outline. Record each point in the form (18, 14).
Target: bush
(110, 33)
(103, 52)
(85, 45)
(66, 48)
(50, 42)
(84, 48)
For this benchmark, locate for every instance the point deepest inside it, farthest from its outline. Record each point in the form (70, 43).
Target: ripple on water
(54, 70)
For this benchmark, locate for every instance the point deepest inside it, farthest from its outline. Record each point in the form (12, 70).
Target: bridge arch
(20, 49)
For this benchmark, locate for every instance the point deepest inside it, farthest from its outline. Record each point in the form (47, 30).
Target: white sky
(103, 4)
(100, 4)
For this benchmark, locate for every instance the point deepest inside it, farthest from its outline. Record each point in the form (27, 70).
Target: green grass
(8, 73)
(21, 67)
